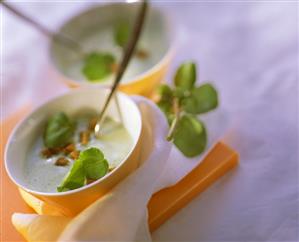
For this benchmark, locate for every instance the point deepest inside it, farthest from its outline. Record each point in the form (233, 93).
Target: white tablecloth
(250, 52)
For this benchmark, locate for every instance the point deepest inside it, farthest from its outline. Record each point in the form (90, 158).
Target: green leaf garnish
(98, 66)
(90, 164)
(94, 163)
(202, 99)
(185, 76)
(59, 131)
(74, 179)
(179, 105)
(190, 136)
(165, 102)
(165, 92)
(180, 93)
(122, 33)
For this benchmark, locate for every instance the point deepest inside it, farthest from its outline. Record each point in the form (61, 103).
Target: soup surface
(73, 67)
(41, 174)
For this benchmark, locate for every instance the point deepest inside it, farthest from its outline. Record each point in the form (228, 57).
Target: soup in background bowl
(39, 175)
(94, 28)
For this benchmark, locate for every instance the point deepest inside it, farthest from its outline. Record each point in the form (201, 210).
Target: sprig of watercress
(181, 104)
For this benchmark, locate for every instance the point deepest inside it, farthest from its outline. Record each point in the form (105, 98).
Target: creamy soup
(102, 41)
(44, 176)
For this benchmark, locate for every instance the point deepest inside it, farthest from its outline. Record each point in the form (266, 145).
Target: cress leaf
(166, 108)
(166, 101)
(122, 34)
(165, 92)
(97, 66)
(90, 164)
(190, 136)
(59, 131)
(75, 178)
(94, 163)
(202, 99)
(180, 93)
(185, 76)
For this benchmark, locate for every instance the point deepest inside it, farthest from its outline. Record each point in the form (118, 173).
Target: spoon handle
(61, 38)
(129, 50)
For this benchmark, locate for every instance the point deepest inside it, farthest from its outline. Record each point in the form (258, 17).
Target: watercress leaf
(165, 102)
(166, 108)
(180, 93)
(190, 136)
(95, 165)
(202, 99)
(165, 92)
(75, 178)
(59, 131)
(122, 33)
(90, 164)
(185, 76)
(98, 66)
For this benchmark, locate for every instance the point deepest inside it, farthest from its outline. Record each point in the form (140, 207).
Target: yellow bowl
(22, 138)
(93, 29)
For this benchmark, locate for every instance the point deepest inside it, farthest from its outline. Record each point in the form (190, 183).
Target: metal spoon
(65, 40)
(128, 52)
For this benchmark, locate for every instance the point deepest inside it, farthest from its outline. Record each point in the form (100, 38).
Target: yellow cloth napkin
(121, 215)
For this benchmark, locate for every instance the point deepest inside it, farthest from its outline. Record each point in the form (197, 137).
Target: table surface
(249, 50)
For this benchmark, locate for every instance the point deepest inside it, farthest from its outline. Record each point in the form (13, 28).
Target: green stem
(174, 121)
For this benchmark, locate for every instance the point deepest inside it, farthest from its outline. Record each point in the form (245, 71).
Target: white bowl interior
(93, 29)
(72, 104)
